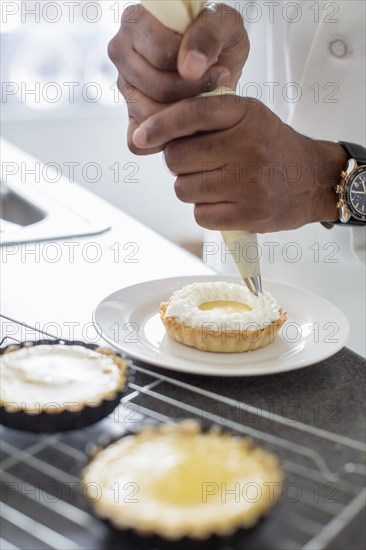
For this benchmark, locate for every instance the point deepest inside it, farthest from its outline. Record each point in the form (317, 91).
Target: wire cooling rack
(42, 502)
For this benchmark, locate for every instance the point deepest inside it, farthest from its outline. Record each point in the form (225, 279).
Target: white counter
(56, 285)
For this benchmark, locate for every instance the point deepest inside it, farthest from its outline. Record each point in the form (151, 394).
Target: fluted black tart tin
(50, 421)
(137, 533)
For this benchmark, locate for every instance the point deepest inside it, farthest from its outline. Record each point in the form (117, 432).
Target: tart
(222, 317)
(56, 386)
(177, 481)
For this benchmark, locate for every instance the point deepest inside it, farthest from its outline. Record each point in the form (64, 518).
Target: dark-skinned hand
(234, 159)
(241, 166)
(157, 66)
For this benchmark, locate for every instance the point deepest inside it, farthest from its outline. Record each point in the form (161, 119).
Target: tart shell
(220, 341)
(56, 419)
(194, 531)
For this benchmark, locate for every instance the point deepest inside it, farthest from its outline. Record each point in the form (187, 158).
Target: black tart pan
(146, 540)
(49, 421)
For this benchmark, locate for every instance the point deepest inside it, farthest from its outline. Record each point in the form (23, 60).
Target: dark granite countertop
(313, 418)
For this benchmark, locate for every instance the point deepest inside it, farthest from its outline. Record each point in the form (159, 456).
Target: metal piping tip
(254, 284)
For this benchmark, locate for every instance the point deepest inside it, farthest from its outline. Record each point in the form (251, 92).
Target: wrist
(331, 160)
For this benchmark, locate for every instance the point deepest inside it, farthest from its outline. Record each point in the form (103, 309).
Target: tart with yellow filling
(51, 386)
(175, 481)
(222, 317)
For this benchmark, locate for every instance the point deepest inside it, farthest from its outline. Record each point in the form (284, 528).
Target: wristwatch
(351, 191)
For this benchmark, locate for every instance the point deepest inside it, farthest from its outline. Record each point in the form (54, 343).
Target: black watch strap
(351, 221)
(355, 151)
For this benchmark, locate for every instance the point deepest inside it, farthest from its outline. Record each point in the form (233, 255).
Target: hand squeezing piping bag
(177, 15)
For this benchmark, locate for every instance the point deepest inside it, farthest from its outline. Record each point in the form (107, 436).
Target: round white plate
(129, 320)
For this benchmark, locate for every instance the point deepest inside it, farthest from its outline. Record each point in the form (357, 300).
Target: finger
(218, 216)
(224, 216)
(203, 152)
(132, 126)
(142, 32)
(202, 187)
(214, 185)
(140, 107)
(216, 36)
(165, 86)
(190, 116)
(155, 42)
(138, 104)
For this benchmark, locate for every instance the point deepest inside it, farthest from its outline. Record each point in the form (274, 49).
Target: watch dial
(357, 193)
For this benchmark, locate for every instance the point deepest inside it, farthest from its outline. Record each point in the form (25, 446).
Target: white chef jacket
(307, 63)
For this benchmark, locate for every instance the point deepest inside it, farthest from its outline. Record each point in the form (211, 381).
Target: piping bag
(177, 15)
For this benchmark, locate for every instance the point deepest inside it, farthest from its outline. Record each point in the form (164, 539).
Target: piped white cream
(184, 306)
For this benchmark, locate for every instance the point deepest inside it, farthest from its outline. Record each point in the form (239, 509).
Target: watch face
(356, 193)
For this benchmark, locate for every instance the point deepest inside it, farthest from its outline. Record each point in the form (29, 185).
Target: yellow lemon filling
(183, 482)
(226, 306)
(195, 467)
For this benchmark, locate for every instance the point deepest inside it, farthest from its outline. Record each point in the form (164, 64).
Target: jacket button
(338, 48)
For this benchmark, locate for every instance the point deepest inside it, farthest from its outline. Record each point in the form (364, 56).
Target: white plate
(129, 320)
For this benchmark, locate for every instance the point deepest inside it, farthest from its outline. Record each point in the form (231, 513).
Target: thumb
(217, 35)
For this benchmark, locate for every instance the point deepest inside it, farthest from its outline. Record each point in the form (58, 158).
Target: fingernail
(195, 64)
(139, 137)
